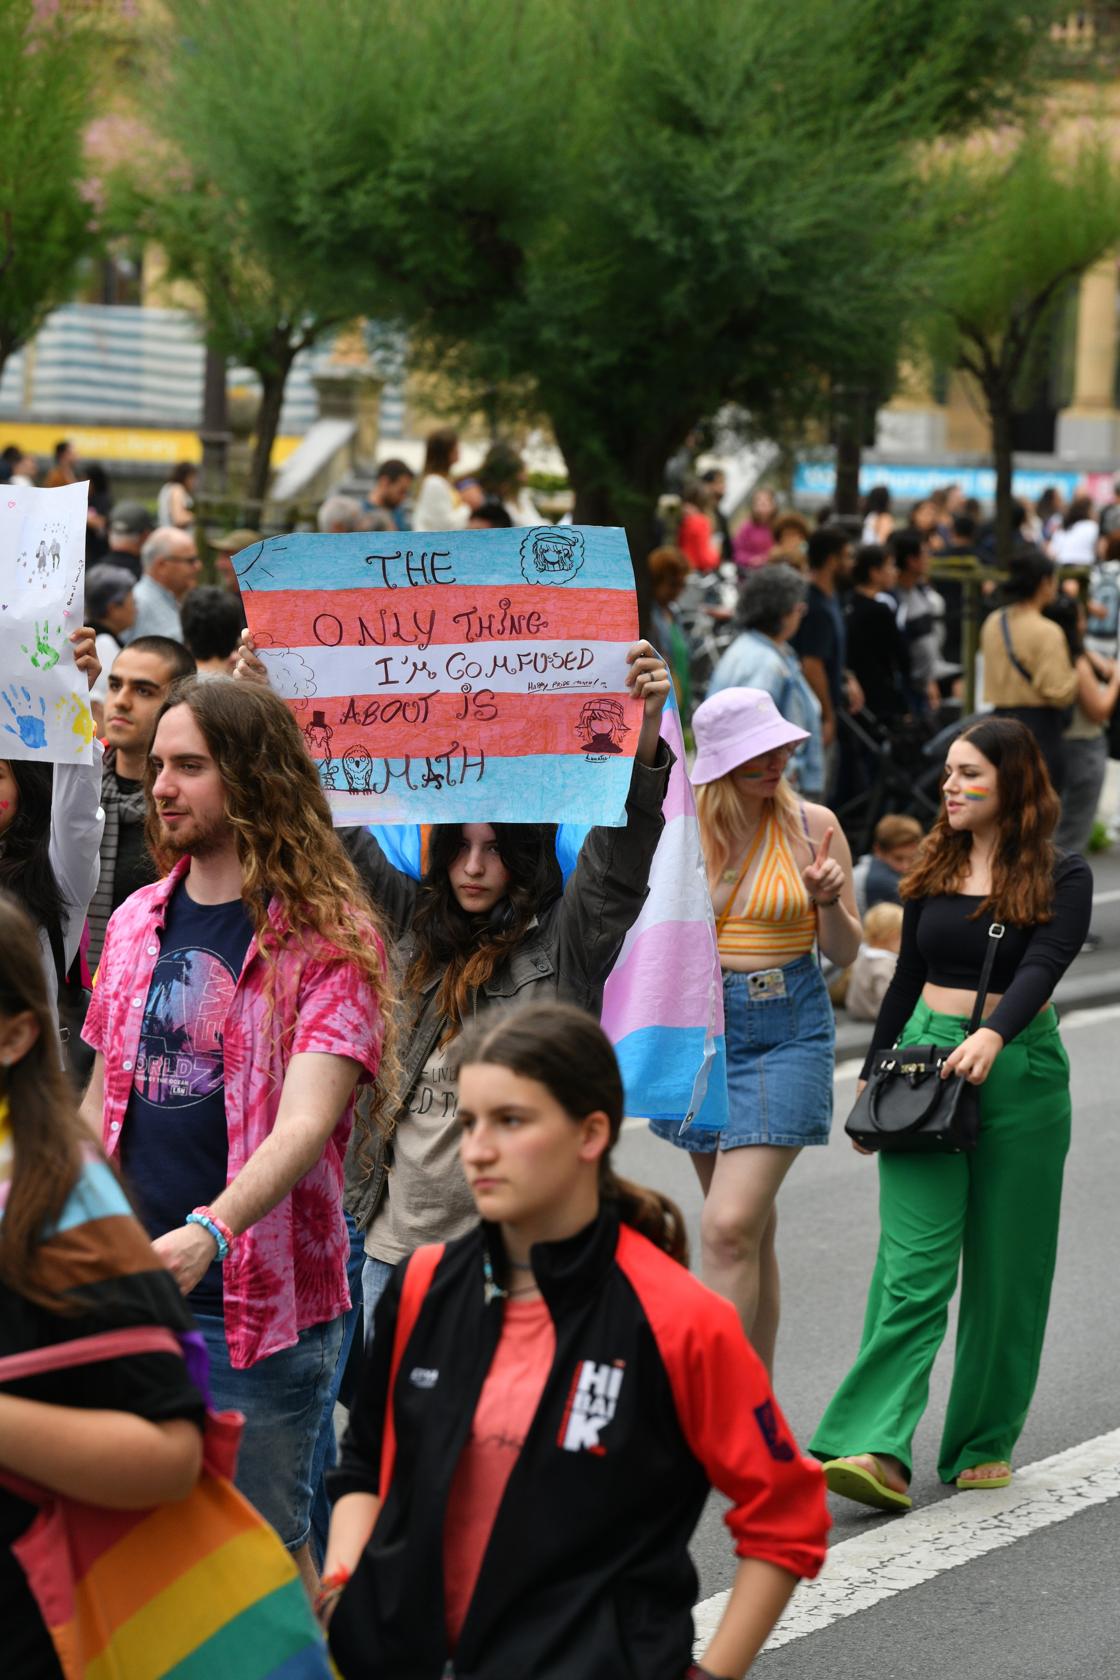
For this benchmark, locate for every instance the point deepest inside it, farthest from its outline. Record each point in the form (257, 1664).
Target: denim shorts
(781, 1055)
(282, 1399)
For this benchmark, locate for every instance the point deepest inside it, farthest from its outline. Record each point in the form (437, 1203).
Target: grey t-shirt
(426, 1197)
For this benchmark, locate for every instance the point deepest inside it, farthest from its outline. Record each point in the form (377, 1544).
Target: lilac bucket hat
(734, 726)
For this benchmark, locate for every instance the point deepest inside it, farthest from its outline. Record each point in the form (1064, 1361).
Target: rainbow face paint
(976, 793)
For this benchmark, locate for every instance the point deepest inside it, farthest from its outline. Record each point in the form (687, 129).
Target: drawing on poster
(454, 676)
(44, 704)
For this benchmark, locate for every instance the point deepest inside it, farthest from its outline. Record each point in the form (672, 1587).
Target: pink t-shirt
(506, 1407)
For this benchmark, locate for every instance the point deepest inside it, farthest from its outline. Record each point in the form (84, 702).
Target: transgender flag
(663, 1004)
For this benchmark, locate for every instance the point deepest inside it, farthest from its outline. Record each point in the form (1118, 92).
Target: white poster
(44, 698)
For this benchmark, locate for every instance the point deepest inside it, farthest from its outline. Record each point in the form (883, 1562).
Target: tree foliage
(1007, 227)
(634, 210)
(45, 223)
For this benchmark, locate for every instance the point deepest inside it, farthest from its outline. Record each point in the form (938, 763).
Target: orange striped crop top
(779, 922)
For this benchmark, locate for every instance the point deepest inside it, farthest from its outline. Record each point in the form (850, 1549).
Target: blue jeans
(282, 1400)
(326, 1447)
(375, 1281)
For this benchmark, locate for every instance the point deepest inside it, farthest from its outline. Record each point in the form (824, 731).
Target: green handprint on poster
(45, 656)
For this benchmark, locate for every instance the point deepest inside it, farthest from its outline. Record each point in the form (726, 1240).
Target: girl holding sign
(519, 1499)
(781, 878)
(491, 920)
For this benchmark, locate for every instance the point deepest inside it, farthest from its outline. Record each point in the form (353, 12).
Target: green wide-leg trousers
(992, 1212)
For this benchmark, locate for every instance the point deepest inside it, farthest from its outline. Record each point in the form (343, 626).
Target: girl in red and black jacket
(545, 1406)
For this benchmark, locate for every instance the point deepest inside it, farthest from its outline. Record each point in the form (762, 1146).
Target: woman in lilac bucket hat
(780, 873)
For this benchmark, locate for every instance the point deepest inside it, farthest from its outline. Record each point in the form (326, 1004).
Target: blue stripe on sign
(537, 788)
(486, 559)
(659, 1070)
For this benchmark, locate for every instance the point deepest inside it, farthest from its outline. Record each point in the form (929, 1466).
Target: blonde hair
(882, 922)
(719, 807)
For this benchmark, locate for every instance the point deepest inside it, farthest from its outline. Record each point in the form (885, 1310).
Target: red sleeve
(694, 539)
(729, 1415)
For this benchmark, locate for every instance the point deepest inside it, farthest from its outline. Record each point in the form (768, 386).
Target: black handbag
(73, 1006)
(906, 1105)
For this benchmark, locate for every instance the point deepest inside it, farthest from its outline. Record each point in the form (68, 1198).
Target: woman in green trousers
(994, 1211)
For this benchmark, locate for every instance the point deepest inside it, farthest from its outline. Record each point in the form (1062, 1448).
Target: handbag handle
(917, 1123)
(89, 1350)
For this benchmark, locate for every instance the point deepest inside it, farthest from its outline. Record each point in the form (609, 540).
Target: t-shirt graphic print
(174, 1146)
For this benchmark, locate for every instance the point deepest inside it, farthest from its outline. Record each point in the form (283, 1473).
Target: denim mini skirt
(780, 1034)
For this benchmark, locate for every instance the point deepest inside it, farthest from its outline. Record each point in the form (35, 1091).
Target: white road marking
(906, 1551)
(1112, 896)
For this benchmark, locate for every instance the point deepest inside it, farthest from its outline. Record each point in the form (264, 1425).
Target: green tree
(45, 223)
(630, 211)
(1007, 228)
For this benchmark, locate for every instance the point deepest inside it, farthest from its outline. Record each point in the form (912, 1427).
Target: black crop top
(942, 946)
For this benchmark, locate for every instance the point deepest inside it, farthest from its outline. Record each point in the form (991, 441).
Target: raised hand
(648, 678)
(824, 877)
(249, 668)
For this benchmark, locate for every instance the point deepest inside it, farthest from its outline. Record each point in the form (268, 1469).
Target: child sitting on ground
(871, 973)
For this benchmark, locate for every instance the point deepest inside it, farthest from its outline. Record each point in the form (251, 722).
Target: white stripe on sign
(904, 1552)
(505, 668)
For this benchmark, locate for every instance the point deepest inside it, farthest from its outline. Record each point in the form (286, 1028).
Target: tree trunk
(636, 513)
(273, 379)
(214, 432)
(850, 420)
(998, 396)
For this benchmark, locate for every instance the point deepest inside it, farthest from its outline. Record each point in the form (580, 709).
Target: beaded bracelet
(209, 1221)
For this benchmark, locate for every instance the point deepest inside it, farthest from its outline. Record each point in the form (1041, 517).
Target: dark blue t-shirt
(823, 635)
(173, 1144)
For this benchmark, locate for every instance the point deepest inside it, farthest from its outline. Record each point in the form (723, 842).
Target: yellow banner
(127, 445)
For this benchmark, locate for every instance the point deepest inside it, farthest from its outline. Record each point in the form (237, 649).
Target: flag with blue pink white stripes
(663, 1003)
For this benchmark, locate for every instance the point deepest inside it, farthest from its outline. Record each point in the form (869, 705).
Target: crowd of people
(353, 1130)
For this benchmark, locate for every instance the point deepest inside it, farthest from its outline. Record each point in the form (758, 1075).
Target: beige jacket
(1040, 647)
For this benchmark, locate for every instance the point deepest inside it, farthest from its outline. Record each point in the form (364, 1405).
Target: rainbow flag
(196, 1589)
(663, 1002)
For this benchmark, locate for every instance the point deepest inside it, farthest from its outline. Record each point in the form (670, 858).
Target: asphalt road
(1046, 1606)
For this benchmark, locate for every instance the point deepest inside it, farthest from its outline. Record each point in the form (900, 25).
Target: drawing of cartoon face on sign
(601, 726)
(551, 554)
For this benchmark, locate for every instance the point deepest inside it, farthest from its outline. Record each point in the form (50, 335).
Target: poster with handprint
(44, 698)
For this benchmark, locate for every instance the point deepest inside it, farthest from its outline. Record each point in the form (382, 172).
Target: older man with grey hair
(171, 568)
(342, 513)
(771, 606)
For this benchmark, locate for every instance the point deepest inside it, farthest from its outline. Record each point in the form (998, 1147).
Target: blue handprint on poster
(31, 730)
(42, 570)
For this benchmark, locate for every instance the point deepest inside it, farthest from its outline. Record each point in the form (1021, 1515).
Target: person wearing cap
(111, 610)
(130, 524)
(780, 874)
(225, 547)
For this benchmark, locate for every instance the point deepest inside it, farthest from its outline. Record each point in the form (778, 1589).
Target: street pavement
(1044, 1606)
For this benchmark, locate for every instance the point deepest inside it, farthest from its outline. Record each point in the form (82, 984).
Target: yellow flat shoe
(969, 1484)
(852, 1481)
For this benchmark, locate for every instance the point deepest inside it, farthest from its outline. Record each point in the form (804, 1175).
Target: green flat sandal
(852, 1481)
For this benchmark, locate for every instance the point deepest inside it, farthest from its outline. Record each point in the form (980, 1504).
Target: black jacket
(587, 1574)
(568, 952)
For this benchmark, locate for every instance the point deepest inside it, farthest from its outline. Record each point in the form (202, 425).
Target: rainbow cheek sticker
(975, 793)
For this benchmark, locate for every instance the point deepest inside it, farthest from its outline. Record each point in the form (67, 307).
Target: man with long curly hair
(240, 1001)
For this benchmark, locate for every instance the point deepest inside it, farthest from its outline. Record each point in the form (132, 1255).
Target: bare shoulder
(819, 819)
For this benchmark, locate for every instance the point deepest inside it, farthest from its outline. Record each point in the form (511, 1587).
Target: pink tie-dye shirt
(288, 1270)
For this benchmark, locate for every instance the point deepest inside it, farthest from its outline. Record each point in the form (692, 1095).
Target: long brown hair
(466, 951)
(47, 1136)
(286, 846)
(566, 1050)
(1024, 855)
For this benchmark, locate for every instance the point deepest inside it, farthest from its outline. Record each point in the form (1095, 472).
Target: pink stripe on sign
(664, 980)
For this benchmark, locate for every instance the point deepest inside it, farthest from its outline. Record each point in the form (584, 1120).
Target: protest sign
(44, 698)
(458, 676)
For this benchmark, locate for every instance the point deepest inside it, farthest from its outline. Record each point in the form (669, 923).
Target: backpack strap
(1011, 654)
(89, 1350)
(418, 1276)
